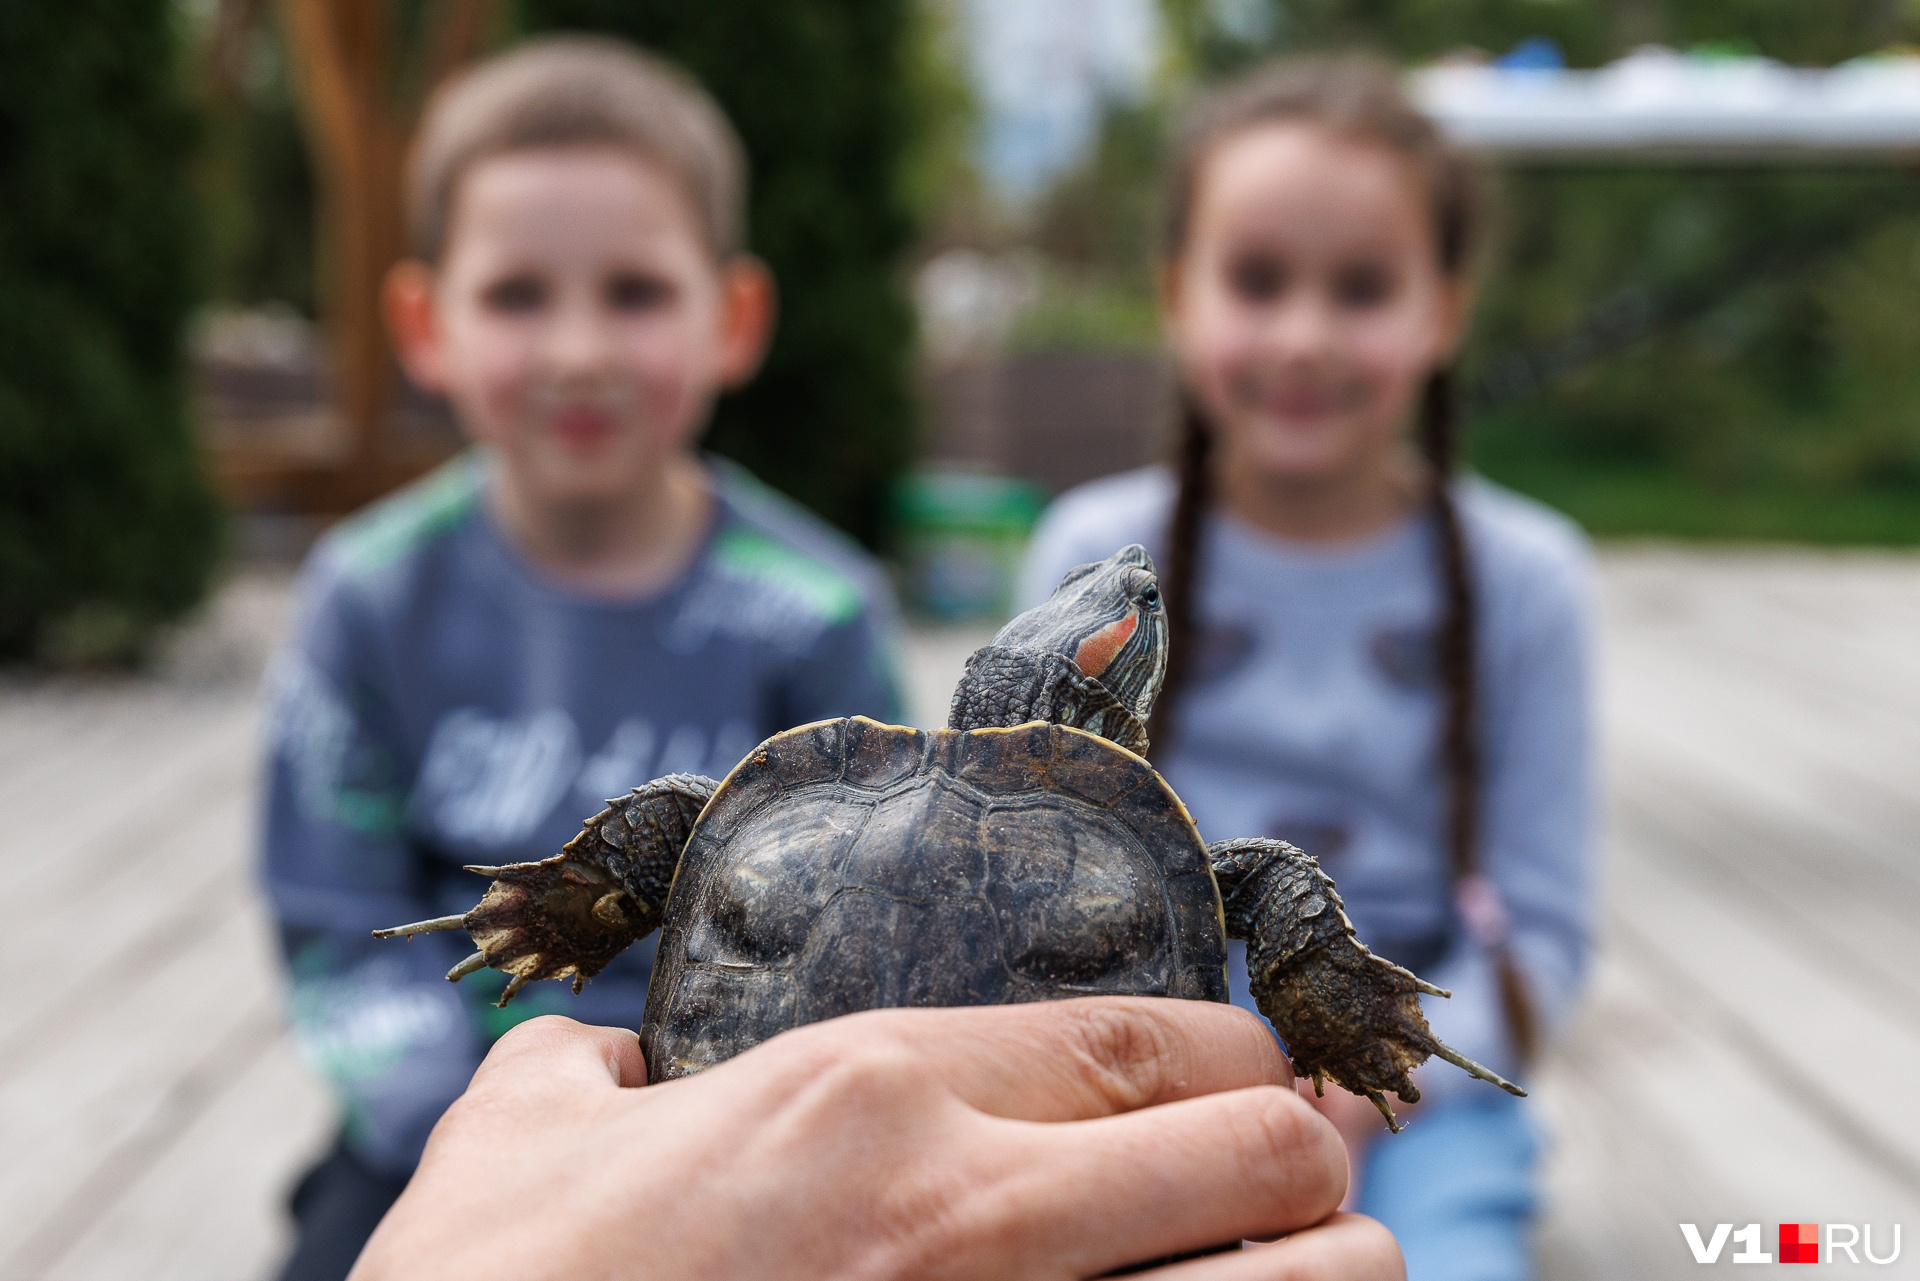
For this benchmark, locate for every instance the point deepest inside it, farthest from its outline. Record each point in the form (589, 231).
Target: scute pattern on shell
(851, 865)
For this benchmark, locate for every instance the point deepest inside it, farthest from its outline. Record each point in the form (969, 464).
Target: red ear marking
(1097, 650)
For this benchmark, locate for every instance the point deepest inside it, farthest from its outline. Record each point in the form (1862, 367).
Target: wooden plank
(68, 1217)
(1758, 987)
(1839, 617)
(39, 1022)
(1657, 1120)
(111, 1087)
(212, 1206)
(262, 478)
(1739, 738)
(63, 742)
(125, 902)
(38, 719)
(143, 778)
(1612, 1179)
(1788, 1018)
(1838, 911)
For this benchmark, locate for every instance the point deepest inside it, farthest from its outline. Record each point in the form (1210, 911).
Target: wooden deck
(1742, 1057)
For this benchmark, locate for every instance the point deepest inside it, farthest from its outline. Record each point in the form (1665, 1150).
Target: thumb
(556, 1051)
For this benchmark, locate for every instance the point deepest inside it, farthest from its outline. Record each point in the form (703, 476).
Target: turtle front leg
(1343, 1012)
(569, 915)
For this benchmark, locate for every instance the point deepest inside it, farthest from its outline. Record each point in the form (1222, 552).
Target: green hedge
(819, 92)
(1748, 330)
(107, 524)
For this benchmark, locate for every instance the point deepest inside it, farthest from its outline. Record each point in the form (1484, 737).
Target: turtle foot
(1354, 1018)
(561, 917)
(567, 916)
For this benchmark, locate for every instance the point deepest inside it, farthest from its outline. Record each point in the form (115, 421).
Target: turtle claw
(423, 927)
(514, 985)
(472, 965)
(1386, 1110)
(560, 917)
(1354, 1017)
(1444, 1051)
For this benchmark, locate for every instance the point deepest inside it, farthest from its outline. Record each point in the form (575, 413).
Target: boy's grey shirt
(441, 704)
(1313, 715)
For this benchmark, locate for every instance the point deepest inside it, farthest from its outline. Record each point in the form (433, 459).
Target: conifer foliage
(107, 523)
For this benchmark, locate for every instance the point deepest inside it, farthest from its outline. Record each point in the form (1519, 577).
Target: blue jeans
(1457, 1188)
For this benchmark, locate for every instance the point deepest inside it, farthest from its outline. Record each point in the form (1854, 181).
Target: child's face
(1308, 308)
(577, 321)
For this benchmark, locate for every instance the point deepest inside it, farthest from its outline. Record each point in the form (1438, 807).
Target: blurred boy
(581, 604)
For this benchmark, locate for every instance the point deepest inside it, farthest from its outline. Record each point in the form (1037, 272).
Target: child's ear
(1457, 296)
(749, 303)
(413, 323)
(1166, 288)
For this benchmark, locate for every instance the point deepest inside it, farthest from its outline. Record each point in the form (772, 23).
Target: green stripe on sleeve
(743, 553)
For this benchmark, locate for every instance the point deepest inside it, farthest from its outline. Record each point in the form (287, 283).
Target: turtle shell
(849, 865)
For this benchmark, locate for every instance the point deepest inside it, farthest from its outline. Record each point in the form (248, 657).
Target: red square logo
(1799, 1243)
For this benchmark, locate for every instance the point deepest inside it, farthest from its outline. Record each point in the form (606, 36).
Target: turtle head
(1107, 620)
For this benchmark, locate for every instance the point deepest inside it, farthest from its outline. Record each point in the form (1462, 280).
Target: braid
(1180, 585)
(1460, 683)
(1459, 733)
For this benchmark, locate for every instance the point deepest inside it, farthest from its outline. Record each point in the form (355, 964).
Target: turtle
(1029, 851)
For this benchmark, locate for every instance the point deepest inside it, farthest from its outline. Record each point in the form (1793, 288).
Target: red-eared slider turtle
(1024, 853)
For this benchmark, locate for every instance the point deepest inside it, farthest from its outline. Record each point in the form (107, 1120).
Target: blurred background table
(1755, 1010)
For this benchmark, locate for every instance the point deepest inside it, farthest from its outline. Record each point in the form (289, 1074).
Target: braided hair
(1358, 98)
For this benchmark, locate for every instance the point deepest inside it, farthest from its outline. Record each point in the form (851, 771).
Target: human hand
(1052, 1140)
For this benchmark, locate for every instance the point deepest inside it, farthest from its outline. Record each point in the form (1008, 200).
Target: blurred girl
(1372, 657)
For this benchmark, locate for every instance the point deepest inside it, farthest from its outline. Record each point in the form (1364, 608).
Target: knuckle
(1126, 1053)
(1283, 1150)
(863, 1075)
(844, 1061)
(535, 1033)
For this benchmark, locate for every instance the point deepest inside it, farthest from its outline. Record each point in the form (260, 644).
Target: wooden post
(359, 119)
(340, 51)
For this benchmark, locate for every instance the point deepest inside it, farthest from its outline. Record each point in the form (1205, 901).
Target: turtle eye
(1150, 596)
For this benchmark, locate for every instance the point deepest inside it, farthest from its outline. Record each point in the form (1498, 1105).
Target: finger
(1079, 1059)
(1347, 1247)
(551, 1051)
(1178, 1177)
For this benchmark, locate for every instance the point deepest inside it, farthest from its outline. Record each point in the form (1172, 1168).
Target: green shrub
(1769, 342)
(107, 525)
(819, 92)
